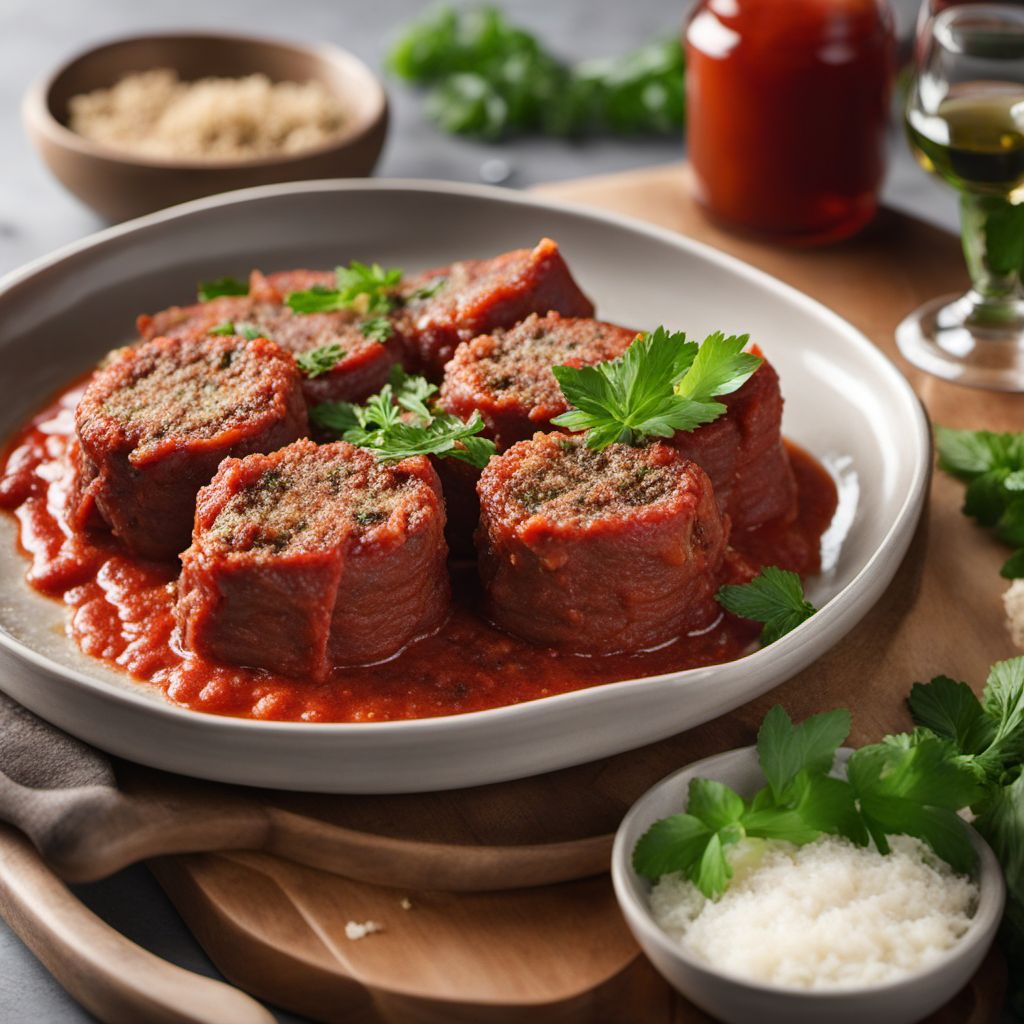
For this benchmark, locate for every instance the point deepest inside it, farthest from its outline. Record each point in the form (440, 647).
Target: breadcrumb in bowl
(156, 113)
(291, 113)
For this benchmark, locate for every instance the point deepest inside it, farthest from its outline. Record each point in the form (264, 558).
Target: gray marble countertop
(36, 216)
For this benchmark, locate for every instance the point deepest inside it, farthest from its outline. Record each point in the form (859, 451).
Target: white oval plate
(846, 403)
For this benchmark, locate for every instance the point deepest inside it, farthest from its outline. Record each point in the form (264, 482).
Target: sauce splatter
(121, 611)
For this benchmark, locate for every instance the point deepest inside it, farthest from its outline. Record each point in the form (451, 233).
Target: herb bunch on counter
(490, 79)
(992, 466)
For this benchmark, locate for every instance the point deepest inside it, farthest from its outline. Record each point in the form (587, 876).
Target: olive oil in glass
(965, 123)
(975, 139)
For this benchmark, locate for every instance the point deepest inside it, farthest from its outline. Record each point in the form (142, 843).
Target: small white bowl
(735, 1000)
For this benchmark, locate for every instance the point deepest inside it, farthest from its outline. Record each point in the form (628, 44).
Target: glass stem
(995, 290)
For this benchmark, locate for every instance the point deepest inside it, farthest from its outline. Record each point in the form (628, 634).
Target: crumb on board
(405, 903)
(1013, 603)
(360, 929)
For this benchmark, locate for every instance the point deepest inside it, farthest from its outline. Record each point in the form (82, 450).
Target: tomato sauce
(121, 611)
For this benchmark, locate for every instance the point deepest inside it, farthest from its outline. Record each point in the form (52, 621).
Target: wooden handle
(64, 795)
(119, 982)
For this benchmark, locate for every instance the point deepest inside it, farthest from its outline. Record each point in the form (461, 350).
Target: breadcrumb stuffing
(1013, 603)
(360, 929)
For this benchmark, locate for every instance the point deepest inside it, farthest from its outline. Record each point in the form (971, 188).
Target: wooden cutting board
(278, 929)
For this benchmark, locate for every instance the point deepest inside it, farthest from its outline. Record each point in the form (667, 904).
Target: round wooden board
(558, 953)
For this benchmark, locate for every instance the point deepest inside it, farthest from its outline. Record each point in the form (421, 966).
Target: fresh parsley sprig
(400, 421)
(490, 78)
(987, 737)
(229, 327)
(318, 361)
(662, 383)
(427, 291)
(992, 465)
(368, 288)
(890, 788)
(774, 597)
(377, 329)
(207, 290)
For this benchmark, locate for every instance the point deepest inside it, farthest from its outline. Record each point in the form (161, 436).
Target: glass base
(962, 340)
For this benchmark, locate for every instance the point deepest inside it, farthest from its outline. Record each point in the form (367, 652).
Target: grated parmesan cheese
(155, 114)
(1013, 604)
(360, 929)
(827, 915)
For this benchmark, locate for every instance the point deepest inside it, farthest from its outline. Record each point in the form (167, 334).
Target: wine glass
(965, 120)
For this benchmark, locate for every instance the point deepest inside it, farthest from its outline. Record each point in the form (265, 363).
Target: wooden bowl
(119, 184)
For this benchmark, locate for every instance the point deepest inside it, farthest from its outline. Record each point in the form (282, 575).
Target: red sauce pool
(121, 612)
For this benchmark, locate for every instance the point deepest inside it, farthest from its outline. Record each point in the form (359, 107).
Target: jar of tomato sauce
(788, 103)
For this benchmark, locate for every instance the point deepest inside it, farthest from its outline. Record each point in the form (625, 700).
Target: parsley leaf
(397, 423)
(916, 791)
(714, 803)
(228, 327)
(671, 844)
(992, 465)
(490, 79)
(719, 368)
(951, 711)
(334, 417)
(1013, 567)
(377, 329)
(412, 392)
(695, 842)
(368, 288)
(662, 383)
(318, 361)
(428, 291)
(208, 290)
(785, 750)
(774, 597)
(1003, 702)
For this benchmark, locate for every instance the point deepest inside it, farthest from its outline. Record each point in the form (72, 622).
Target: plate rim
(905, 519)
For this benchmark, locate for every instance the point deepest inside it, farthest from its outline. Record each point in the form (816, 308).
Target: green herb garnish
(428, 291)
(800, 803)
(367, 288)
(891, 788)
(992, 465)
(398, 422)
(491, 79)
(318, 361)
(228, 327)
(208, 290)
(377, 329)
(774, 597)
(662, 383)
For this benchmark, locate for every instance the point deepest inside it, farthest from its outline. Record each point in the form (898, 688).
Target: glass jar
(788, 104)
